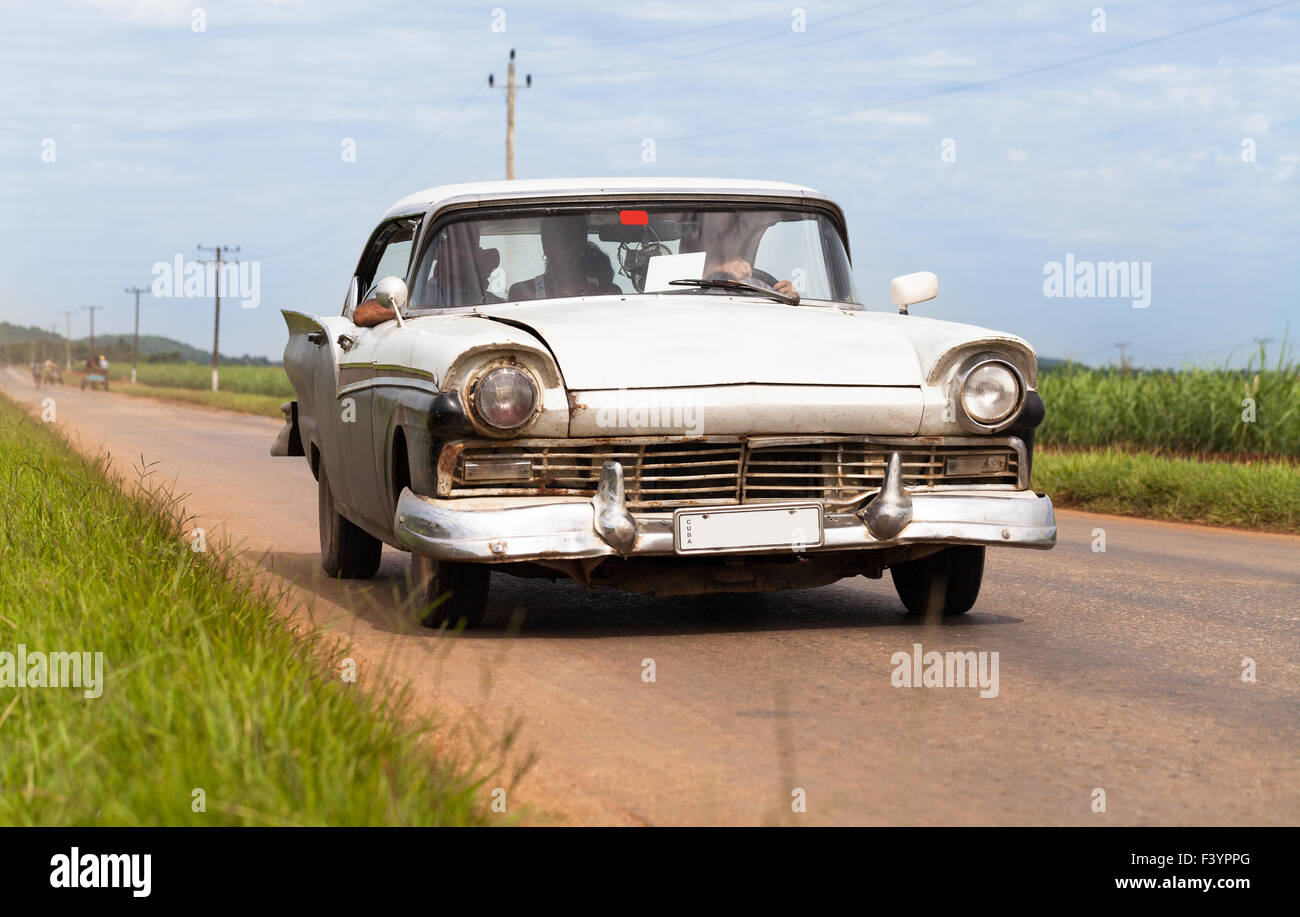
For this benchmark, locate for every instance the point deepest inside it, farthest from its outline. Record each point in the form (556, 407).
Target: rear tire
(346, 550)
(449, 593)
(944, 583)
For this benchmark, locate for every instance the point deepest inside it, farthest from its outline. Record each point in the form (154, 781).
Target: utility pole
(91, 310)
(510, 112)
(216, 322)
(135, 341)
(1124, 367)
(67, 341)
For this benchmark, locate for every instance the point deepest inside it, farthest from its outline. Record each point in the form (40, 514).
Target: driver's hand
(786, 287)
(735, 269)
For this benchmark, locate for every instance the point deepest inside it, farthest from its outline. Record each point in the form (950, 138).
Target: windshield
(631, 249)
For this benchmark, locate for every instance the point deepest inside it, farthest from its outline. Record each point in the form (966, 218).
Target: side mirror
(912, 288)
(391, 293)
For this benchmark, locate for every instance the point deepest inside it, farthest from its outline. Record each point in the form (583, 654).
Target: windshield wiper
(791, 299)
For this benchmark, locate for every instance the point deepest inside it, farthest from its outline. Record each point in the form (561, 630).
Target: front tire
(346, 550)
(944, 583)
(449, 593)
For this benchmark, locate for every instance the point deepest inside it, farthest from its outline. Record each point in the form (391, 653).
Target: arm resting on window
(371, 313)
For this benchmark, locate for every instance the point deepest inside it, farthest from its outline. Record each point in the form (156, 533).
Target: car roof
(496, 192)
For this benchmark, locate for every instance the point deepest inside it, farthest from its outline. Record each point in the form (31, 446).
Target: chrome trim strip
(452, 450)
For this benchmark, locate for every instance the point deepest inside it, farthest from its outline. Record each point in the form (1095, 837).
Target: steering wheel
(763, 276)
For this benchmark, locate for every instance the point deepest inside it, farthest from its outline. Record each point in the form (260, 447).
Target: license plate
(739, 528)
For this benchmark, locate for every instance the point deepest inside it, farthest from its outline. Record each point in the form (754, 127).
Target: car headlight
(505, 398)
(990, 392)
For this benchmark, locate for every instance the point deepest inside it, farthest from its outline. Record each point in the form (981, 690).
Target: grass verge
(245, 402)
(1258, 495)
(250, 380)
(204, 687)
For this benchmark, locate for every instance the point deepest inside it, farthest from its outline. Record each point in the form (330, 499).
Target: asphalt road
(1119, 670)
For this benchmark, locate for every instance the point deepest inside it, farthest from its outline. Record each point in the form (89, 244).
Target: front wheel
(448, 593)
(944, 583)
(346, 550)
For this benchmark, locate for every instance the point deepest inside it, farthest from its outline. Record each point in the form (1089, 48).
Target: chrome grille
(837, 472)
(844, 472)
(654, 473)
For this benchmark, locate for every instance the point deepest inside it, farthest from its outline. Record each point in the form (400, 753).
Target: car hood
(687, 340)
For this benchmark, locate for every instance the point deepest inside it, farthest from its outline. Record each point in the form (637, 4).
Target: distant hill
(18, 343)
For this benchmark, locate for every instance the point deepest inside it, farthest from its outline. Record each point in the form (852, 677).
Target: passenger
(574, 265)
(459, 278)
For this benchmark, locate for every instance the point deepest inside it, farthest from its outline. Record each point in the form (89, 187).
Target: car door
(360, 349)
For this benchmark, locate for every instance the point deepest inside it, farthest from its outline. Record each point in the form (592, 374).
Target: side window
(468, 263)
(427, 293)
(390, 253)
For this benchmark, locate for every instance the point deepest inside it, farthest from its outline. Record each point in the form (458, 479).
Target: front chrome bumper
(504, 529)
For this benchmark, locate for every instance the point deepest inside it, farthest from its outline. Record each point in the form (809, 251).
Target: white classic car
(664, 386)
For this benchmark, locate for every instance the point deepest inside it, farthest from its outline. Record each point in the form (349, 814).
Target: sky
(985, 141)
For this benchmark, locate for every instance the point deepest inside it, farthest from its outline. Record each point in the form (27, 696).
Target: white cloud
(940, 58)
(893, 117)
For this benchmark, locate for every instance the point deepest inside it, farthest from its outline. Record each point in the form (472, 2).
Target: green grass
(205, 687)
(1259, 495)
(265, 405)
(245, 380)
(1194, 410)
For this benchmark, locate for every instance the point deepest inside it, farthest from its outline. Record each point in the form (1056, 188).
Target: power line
(469, 176)
(732, 23)
(307, 241)
(982, 84)
(658, 63)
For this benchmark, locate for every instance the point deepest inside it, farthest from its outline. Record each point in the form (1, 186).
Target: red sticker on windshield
(634, 218)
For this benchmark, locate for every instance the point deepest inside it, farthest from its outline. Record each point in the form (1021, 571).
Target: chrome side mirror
(391, 293)
(913, 288)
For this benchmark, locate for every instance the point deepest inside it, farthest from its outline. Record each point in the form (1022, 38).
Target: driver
(722, 240)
